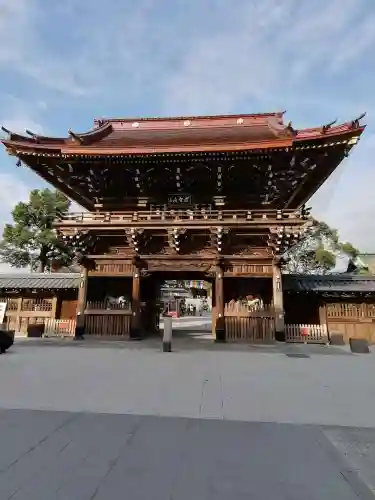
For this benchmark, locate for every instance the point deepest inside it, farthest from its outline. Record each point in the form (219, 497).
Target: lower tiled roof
(329, 283)
(39, 281)
(291, 282)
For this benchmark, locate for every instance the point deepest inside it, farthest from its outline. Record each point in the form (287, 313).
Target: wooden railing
(106, 319)
(28, 305)
(186, 215)
(12, 304)
(317, 334)
(21, 313)
(348, 311)
(37, 305)
(255, 310)
(106, 307)
(249, 323)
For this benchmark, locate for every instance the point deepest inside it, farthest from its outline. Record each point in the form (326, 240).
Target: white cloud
(16, 24)
(12, 190)
(17, 115)
(22, 48)
(347, 200)
(13, 187)
(18, 123)
(7, 269)
(267, 54)
(201, 56)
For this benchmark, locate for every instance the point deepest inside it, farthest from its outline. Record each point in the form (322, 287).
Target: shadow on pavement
(183, 342)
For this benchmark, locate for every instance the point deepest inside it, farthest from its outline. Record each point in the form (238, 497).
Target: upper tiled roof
(221, 133)
(39, 281)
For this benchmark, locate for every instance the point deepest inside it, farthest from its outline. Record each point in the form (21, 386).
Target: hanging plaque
(179, 199)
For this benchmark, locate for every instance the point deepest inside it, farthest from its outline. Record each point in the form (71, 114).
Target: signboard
(3, 306)
(63, 324)
(179, 199)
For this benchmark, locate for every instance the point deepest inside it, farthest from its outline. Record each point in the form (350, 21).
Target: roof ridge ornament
(326, 127)
(356, 123)
(6, 130)
(32, 134)
(291, 129)
(75, 136)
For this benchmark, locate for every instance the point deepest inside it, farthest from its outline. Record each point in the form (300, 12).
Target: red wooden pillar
(219, 305)
(135, 328)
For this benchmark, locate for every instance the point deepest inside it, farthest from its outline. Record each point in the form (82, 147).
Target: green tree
(348, 249)
(317, 253)
(31, 240)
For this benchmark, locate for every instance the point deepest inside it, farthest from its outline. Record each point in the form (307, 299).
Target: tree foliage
(30, 241)
(317, 253)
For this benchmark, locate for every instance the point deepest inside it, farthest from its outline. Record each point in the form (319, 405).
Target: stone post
(278, 302)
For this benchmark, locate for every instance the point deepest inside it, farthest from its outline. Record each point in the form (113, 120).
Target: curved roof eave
(183, 139)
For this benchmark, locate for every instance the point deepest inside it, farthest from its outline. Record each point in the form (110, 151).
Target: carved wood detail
(111, 268)
(249, 269)
(252, 252)
(177, 265)
(120, 250)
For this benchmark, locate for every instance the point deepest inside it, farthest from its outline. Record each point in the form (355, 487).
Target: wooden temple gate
(233, 318)
(223, 196)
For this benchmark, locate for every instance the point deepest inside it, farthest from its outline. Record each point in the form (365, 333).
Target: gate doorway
(186, 297)
(190, 299)
(245, 313)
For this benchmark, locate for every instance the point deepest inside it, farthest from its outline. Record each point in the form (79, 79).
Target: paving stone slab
(89, 456)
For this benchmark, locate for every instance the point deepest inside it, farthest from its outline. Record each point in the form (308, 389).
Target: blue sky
(64, 63)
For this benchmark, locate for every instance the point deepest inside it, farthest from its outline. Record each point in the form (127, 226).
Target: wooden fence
(311, 334)
(352, 320)
(249, 324)
(104, 319)
(24, 312)
(350, 311)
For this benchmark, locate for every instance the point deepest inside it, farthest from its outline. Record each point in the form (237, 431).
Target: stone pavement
(107, 421)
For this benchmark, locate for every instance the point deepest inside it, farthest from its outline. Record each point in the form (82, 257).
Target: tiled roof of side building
(329, 283)
(298, 283)
(40, 281)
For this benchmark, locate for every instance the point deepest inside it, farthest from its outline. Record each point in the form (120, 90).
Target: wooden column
(18, 317)
(54, 307)
(81, 305)
(135, 329)
(219, 305)
(278, 302)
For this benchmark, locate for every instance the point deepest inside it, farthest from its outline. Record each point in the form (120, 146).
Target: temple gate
(218, 198)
